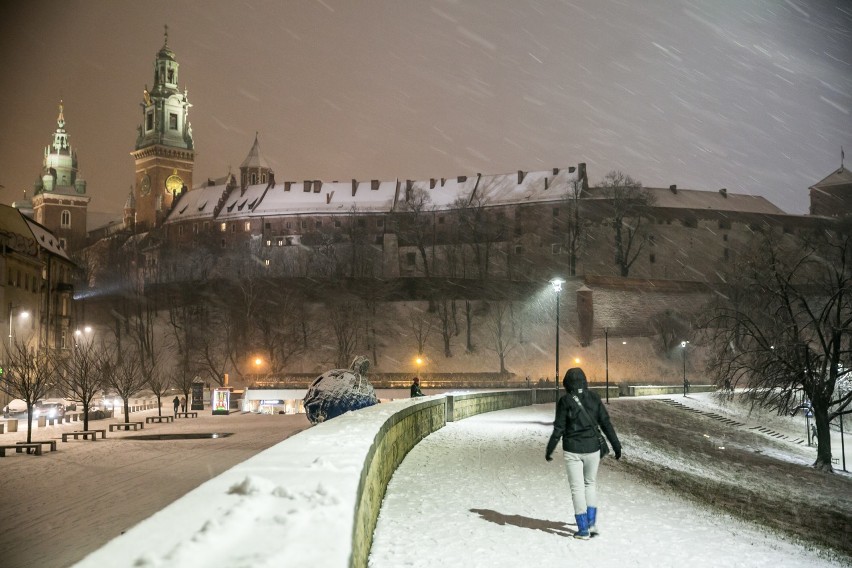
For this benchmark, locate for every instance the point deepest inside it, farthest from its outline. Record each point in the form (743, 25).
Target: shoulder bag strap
(584, 411)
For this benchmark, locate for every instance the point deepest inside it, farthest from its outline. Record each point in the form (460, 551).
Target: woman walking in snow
(578, 414)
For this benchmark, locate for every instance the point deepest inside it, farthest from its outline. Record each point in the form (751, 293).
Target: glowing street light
(557, 287)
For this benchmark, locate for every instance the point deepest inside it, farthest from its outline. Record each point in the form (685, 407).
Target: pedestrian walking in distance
(176, 403)
(579, 413)
(183, 404)
(415, 388)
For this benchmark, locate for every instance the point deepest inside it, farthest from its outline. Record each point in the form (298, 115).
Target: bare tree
(344, 318)
(28, 376)
(161, 383)
(782, 326)
(573, 229)
(416, 225)
(628, 200)
(497, 322)
(671, 327)
(126, 376)
(420, 324)
(82, 374)
(445, 322)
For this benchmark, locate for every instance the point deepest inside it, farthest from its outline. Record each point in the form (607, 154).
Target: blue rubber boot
(592, 514)
(582, 526)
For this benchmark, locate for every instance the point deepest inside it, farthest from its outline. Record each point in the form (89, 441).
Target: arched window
(65, 219)
(253, 179)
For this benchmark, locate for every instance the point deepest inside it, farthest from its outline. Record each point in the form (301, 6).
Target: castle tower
(164, 152)
(254, 169)
(60, 202)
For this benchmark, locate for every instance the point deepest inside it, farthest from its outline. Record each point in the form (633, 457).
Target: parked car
(49, 409)
(15, 409)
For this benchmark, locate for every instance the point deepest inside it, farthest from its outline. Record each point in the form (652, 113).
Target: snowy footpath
(479, 493)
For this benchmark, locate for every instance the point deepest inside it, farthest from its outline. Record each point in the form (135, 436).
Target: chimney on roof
(287, 185)
(571, 169)
(462, 179)
(556, 171)
(374, 184)
(443, 181)
(520, 177)
(307, 186)
(317, 185)
(673, 188)
(546, 184)
(724, 192)
(432, 183)
(354, 186)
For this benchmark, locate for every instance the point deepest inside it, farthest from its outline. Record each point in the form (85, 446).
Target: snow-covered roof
(721, 200)
(316, 197)
(46, 239)
(254, 159)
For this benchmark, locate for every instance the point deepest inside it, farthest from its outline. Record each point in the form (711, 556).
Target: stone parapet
(647, 390)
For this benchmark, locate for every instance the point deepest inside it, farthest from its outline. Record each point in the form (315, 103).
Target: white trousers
(582, 475)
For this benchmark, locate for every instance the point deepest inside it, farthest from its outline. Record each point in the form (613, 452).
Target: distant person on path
(176, 403)
(415, 388)
(183, 404)
(577, 427)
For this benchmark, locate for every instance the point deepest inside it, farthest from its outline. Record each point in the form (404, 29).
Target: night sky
(751, 95)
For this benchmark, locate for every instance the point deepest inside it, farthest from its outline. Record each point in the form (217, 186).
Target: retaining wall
(666, 389)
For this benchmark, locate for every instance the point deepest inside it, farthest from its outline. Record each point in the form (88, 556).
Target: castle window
(63, 339)
(248, 225)
(253, 179)
(727, 254)
(269, 242)
(318, 224)
(266, 262)
(337, 223)
(206, 225)
(180, 230)
(223, 227)
(380, 223)
(223, 243)
(171, 75)
(379, 239)
(233, 227)
(652, 258)
(724, 224)
(262, 178)
(66, 219)
(304, 224)
(441, 220)
(62, 244)
(268, 225)
(556, 212)
(410, 259)
(519, 249)
(362, 223)
(724, 237)
(555, 248)
(280, 242)
(149, 121)
(172, 121)
(287, 225)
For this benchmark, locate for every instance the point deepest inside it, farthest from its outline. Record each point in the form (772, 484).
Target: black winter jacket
(576, 430)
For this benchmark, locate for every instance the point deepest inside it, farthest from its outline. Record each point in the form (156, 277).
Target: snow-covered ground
(479, 492)
(476, 493)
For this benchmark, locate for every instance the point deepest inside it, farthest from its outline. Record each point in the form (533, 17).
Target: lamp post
(78, 334)
(606, 359)
(557, 287)
(683, 345)
(257, 363)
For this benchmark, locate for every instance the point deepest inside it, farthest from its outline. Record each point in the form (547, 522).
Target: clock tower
(165, 153)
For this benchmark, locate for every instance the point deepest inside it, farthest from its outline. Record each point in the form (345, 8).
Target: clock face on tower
(174, 183)
(146, 184)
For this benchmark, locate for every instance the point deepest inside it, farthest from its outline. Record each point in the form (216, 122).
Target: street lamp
(78, 334)
(257, 363)
(683, 345)
(23, 315)
(557, 287)
(606, 359)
